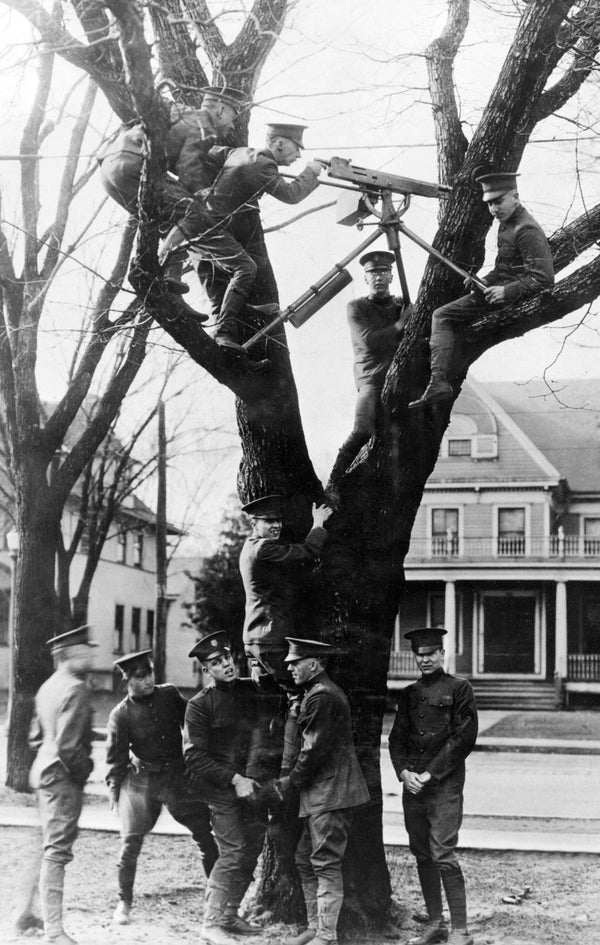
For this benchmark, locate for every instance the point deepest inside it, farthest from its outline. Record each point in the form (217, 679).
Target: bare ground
(563, 906)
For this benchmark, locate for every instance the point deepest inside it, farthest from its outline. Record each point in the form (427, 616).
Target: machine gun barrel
(366, 178)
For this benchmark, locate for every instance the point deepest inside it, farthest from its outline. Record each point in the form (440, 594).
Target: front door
(509, 634)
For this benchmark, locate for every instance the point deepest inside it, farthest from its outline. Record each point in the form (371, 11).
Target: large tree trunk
(35, 609)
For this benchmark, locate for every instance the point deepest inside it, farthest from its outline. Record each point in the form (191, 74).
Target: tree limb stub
(440, 56)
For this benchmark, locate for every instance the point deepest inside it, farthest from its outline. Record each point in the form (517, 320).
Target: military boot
(122, 913)
(173, 274)
(52, 879)
(460, 937)
(235, 925)
(433, 932)
(302, 938)
(438, 389)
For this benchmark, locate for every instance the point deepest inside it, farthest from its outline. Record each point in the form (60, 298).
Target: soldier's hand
(243, 787)
(494, 294)
(412, 782)
(113, 797)
(469, 284)
(315, 166)
(320, 514)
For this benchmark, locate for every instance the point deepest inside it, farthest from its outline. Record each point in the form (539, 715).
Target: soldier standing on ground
(144, 754)
(219, 726)
(327, 776)
(376, 325)
(523, 267)
(435, 729)
(61, 733)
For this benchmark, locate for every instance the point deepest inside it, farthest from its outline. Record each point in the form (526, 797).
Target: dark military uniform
(269, 571)
(435, 729)
(146, 770)
(328, 777)
(523, 266)
(234, 244)
(218, 732)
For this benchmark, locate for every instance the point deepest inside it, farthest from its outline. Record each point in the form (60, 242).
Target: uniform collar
(317, 678)
(431, 678)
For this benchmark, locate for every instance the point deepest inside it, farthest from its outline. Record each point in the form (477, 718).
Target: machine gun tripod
(368, 187)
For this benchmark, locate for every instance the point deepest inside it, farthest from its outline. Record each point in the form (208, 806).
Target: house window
(149, 628)
(138, 550)
(590, 625)
(119, 627)
(591, 536)
(136, 625)
(122, 544)
(459, 447)
(511, 531)
(4, 615)
(444, 532)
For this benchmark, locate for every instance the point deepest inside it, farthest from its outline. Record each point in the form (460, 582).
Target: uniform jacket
(149, 729)
(524, 263)
(269, 574)
(326, 771)
(217, 734)
(61, 730)
(435, 727)
(247, 174)
(374, 337)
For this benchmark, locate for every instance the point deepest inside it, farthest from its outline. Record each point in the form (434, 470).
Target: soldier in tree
(435, 729)
(376, 325)
(523, 267)
(191, 136)
(233, 245)
(144, 754)
(219, 727)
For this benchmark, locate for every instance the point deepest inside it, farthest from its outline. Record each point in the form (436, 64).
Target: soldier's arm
(539, 268)
(72, 734)
(317, 732)
(288, 191)
(36, 735)
(398, 737)
(462, 741)
(281, 552)
(196, 740)
(117, 748)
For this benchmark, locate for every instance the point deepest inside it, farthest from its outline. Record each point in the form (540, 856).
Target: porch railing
(552, 547)
(402, 663)
(583, 666)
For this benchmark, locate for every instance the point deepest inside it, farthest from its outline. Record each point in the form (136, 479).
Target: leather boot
(215, 935)
(302, 938)
(235, 925)
(434, 932)
(438, 389)
(173, 274)
(121, 914)
(52, 880)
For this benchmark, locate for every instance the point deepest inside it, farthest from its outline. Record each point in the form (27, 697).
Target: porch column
(560, 665)
(450, 626)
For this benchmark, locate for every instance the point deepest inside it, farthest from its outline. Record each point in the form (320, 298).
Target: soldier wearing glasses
(146, 770)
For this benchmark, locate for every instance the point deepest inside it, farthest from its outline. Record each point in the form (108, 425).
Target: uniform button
(421, 733)
(421, 751)
(421, 715)
(423, 698)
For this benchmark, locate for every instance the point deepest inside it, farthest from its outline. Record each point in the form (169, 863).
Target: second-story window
(119, 627)
(511, 531)
(149, 628)
(122, 545)
(138, 550)
(444, 531)
(591, 536)
(136, 625)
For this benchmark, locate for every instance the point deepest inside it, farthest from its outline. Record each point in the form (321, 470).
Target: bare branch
(569, 84)
(254, 42)
(30, 142)
(570, 241)
(177, 52)
(440, 56)
(298, 216)
(209, 34)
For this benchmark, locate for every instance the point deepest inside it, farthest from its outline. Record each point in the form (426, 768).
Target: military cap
(494, 185)
(232, 97)
(292, 132)
(425, 636)
(76, 637)
(378, 259)
(213, 644)
(265, 507)
(299, 649)
(131, 661)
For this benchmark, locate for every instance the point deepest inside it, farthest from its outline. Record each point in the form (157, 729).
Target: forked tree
(551, 56)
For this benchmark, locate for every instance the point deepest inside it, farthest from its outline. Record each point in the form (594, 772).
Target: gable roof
(563, 423)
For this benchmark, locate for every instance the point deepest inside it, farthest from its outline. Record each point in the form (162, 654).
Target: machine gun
(368, 187)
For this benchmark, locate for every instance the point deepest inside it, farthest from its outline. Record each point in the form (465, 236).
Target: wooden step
(520, 695)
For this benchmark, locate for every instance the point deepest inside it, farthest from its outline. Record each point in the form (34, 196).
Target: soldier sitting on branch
(523, 267)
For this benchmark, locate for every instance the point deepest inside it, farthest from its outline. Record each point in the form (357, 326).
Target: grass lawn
(580, 725)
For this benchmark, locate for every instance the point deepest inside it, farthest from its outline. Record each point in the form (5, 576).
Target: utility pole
(160, 629)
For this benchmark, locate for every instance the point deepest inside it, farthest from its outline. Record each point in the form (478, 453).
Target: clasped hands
(413, 782)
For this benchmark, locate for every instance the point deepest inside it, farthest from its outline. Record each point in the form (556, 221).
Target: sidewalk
(519, 823)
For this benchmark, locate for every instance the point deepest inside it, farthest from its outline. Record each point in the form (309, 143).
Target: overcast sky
(355, 74)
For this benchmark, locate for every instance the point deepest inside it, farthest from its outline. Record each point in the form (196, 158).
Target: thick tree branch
(440, 56)
(177, 56)
(208, 33)
(570, 241)
(30, 142)
(256, 39)
(569, 84)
